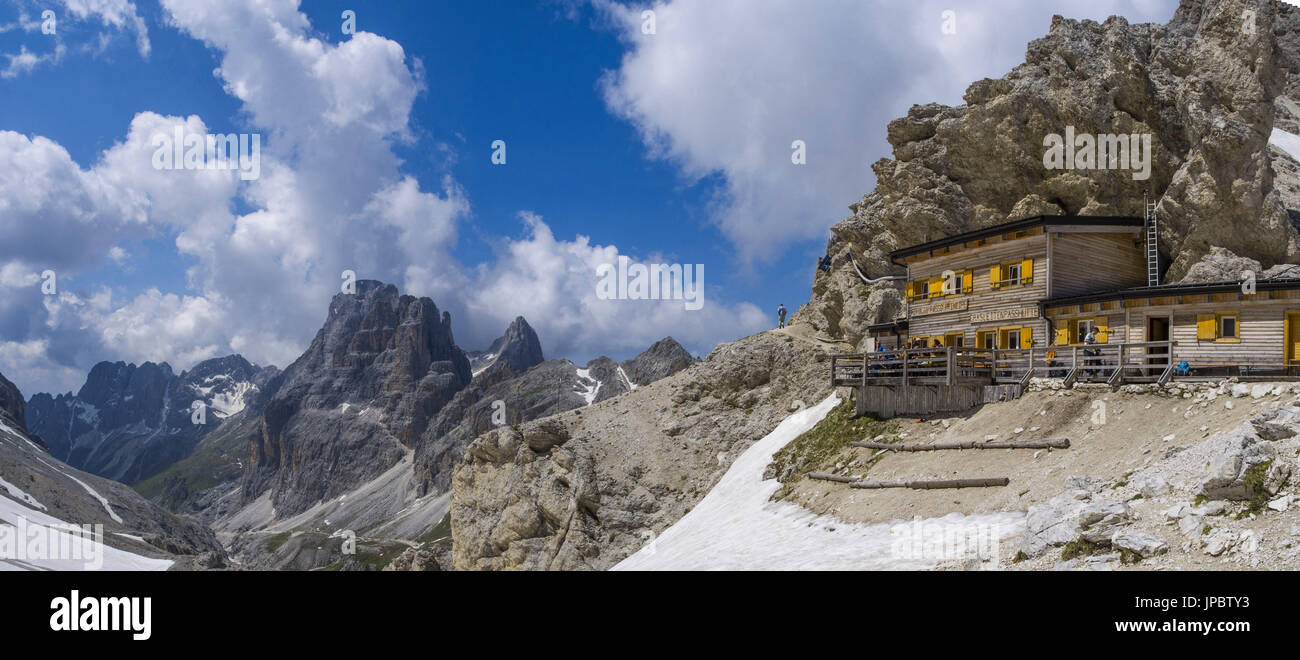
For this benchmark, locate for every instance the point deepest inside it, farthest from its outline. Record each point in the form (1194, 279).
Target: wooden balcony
(1144, 362)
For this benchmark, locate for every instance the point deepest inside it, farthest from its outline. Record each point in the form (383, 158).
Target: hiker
(780, 315)
(1091, 340)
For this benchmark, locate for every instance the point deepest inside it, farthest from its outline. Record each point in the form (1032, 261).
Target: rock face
(586, 488)
(11, 404)
(357, 400)
(518, 347)
(128, 422)
(1206, 91)
(42, 484)
(502, 396)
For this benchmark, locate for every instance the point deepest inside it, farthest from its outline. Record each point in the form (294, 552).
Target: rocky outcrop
(501, 396)
(128, 422)
(357, 401)
(1201, 87)
(546, 496)
(586, 488)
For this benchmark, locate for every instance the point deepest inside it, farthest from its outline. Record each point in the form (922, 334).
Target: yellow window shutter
(1103, 333)
(936, 287)
(995, 276)
(1027, 271)
(1062, 336)
(968, 281)
(1206, 327)
(1026, 337)
(911, 289)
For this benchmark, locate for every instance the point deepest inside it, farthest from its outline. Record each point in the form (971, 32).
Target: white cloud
(117, 16)
(725, 87)
(552, 283)
(331, 197)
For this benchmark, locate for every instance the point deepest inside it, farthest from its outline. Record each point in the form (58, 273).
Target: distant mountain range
(128, 422)
(362, 431)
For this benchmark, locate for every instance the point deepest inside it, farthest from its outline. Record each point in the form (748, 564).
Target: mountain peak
(519, 348)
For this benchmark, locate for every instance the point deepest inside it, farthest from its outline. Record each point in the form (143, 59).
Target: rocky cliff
(357, 401)
(1208, 88)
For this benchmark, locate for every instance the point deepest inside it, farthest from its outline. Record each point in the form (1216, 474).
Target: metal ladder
(1153, 242)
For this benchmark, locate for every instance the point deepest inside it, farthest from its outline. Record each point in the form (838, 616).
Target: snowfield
(737, 527)
(58, 535)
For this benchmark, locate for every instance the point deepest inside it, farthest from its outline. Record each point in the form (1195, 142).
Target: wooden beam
(916, 485)
(1054, 443)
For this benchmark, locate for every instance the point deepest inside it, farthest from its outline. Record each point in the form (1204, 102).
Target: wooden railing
(1109, 363)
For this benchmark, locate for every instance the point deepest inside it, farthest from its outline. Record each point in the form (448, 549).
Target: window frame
(1219, 335)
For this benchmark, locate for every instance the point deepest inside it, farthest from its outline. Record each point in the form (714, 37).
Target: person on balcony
(1050, 361)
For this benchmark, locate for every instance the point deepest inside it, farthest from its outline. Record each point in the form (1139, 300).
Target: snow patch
(54, 529)
(1288, 142)
(589, 392)
(627, 381)
(18, 494)
(737, 526)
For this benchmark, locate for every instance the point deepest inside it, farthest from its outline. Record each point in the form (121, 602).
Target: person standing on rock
(780, 316)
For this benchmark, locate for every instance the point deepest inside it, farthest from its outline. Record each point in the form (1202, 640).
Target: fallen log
(1055, 443)
(918, 485)
(931, 485)
(822, 476)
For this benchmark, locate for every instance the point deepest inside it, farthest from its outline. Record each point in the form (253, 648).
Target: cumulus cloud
(725, 87)
(266, 255)
(552, 283)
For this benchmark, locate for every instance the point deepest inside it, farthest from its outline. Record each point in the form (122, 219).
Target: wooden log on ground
(1055, 443)
(931, 485)
(918, 485)
(822, 476)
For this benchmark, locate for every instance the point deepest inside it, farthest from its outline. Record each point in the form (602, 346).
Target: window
(933, 287)
(956, 339)
(1017, 337)
(1229, 326)
(1012, 274)
(1222, 326)
(1081, 329)
(986, 339)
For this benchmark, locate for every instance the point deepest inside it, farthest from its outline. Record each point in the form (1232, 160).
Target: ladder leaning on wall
(1153, 241)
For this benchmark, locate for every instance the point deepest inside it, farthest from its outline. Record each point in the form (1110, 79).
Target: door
(1157, 330)
(1292, 332)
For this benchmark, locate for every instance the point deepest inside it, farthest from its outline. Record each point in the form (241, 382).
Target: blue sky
(668, 147)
